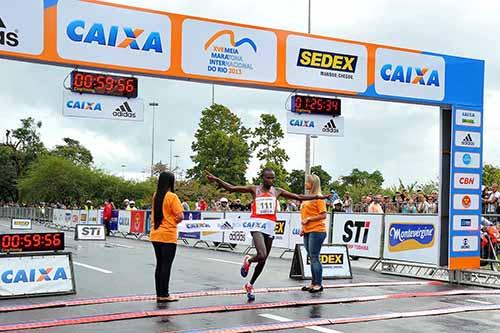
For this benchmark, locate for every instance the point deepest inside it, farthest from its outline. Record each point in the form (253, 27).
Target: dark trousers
(107, 226)
(313, 242)
(165, 253)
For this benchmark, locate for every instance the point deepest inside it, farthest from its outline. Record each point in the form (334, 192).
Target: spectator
(347, 202)
(492, 201)
(131, 205)
(202, 205)
(433, 205)
(88, 205)
(125, 204)
(224, 205)
(185, 206)
(236, 206)
(375, 206)
(338, 206)
(106, 216)
(423, 206)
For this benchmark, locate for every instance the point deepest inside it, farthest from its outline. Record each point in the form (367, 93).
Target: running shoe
(245, 267)
(249, 290)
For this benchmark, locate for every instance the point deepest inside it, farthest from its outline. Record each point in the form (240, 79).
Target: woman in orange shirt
(313, 214)
(167, 213)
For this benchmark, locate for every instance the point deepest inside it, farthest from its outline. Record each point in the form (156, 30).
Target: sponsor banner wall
(90, 232)
(190, 215)
(137, 218)
(84, 216)
(361, 233)
(67, 218)
(113, 225)
(35, 274)
(103, 107)
(124, 221)
(235, 236)
(20, 224)
(313, 124)
(282, 231)
(211, 236)
(58, 216)
(93, 217)
(75, 217)
(412, 238)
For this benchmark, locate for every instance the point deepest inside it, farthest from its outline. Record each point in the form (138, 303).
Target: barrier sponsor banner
(124, 221)
(190, 215)
(93, 217)
(239, 237)
(22, 27)
(84, 215)
(412, 238)
(20, 224)
(90, 232)
(221, 225)
(228, 51)
(295, 226)
(137, 221)
(313, 124)
(282, 231)
(113, 224)
(25, 275)
(102, 107)
(58, 216)
(334, 259)
(212, 236)
(315, 62)
(148, 221)
(361, 233)
(75, 218)
(67, 218)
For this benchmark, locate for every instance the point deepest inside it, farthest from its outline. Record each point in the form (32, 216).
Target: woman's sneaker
(245, 267)
(249, 290)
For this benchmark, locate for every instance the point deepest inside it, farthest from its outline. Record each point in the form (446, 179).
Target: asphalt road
(120, 267)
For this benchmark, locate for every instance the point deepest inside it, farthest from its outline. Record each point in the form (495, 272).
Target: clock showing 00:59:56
(32, 242)
(103, 84)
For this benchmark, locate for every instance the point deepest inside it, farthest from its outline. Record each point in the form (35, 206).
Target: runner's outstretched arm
(230, 187)
(301, 197)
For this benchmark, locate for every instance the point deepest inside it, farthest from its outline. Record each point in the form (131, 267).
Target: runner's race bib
(265, 205)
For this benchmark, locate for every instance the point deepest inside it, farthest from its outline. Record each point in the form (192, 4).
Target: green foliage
(295, 181)
(75, 152)
(8, 189)
(280, 172)
(491, 175)
(324, 177)
(220, 146)
(267, 137)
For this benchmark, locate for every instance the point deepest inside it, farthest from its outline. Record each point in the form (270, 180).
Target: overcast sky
(399, 140)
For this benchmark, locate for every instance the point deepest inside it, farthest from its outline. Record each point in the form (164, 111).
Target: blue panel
(49, 3)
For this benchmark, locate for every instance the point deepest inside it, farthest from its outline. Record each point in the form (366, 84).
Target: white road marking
(225, 261)
(283, 319)
(479, 302)
(120, 245)
(105, 271)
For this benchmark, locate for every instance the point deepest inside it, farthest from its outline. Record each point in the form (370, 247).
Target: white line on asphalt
(120, 245)
(476, 301)
(105, 271)
(283, 319)
(225, 261)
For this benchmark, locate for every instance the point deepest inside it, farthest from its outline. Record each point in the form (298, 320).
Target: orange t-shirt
(310, 209)
(167, 232)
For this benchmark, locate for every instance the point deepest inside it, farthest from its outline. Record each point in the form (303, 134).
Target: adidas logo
(9, 38)
(467, 141)
(330, 127)
(226, 226)
(124, 111)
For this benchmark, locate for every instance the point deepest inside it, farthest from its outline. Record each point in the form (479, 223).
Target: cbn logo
(77, 31)
(84, 105)
(411, 75)
(35, 275)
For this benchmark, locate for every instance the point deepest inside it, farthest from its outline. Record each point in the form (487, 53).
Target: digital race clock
(103, 84)
(32, 242)
(316, 105)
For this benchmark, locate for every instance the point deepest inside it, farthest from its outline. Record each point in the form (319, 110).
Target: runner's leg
(265, 245)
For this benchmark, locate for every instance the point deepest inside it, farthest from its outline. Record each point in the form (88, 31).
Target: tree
(279, 171)
(324, 177)
(295, 181)
(360, 183)
(74, 152)
(8, 185)
(220, 146)
(22, 146)
(267, 136)
(491, 174)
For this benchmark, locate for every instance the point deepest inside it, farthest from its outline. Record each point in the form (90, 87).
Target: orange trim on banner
(464, 263)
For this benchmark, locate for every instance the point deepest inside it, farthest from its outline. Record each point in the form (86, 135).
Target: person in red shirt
(265, 201)
(106, 216)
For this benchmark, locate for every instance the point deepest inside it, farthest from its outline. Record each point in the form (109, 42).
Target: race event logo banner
(412, 238)
(326, 64)
(21, 27)
(104, 34)
(313, 124)
(228, 51)
(35, 274)
(405, 74)
(362, 234)
(103, 107)
(20, 224)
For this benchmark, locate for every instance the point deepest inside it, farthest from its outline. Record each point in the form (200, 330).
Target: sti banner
(103, 107)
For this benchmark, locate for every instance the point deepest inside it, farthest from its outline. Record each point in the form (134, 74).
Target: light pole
(123, 170)
(308, 137)
(153, 105)
(314, 149)
(171, 142)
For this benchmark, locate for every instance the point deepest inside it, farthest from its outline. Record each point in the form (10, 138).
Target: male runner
(265, 200)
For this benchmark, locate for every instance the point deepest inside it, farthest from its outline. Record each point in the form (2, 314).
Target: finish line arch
(111, 37)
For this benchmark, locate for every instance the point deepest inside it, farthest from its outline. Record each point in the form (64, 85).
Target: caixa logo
(410, 236)
(7, 37)
(84, 105)
(113, 36)
(34, 275)
(302, 123)
(411, 75)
